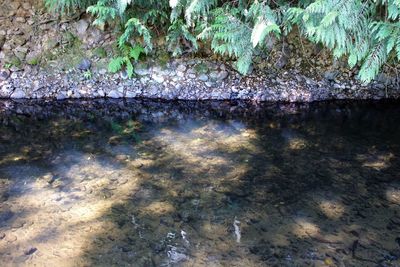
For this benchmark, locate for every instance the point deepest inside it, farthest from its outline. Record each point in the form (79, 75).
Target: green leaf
(116, 64)
(129, 68)
(352, 60)
(329, 19)
(136, 51)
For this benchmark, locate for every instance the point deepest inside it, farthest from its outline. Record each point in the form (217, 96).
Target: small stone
(222, 75)
(18, 93)
(281, 62)
(120, 90)
(85, 64)
(203, 77)
(61, 96)
(158, 78)
(30, 250)
(114, 94)
(130, 94)
(181, 68)
(209, 84)
(331, 75)
(124, 75)
(214, 75)
(338, 86)
(4, 74)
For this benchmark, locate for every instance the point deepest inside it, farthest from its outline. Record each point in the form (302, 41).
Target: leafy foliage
(179, 32)
(127, 54)
(67, 5)
(366, 32)
(358, 29)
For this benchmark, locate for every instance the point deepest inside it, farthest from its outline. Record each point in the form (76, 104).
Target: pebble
(203, 77)
(4, 74)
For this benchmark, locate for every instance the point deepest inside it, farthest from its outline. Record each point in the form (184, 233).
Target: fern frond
(102, 12)
(116, 64)
(370, 68)
(134, 25)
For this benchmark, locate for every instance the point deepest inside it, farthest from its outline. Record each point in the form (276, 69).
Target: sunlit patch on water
(393, 195)
(174, 186)
(332, 209)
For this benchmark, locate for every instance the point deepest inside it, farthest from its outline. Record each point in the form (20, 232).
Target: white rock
(18, 93)
(114, 94)
(203, 77)
(158, 78)
(61, 96)
(181, 68)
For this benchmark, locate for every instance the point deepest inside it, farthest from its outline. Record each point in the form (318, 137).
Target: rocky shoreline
(191, 79)
(43, 56)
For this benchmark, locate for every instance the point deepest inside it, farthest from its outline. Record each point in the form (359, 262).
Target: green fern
(116, 64)
(177, 32)
(66, 6)
(236, 34)
(102, 12)
(366, 32)
(127, 54)
(134, 25)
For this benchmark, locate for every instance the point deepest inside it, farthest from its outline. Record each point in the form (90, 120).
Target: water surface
(139, 183)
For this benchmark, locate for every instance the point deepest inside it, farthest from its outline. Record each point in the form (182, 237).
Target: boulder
(331, 75)
(84, 65)
(81, 26)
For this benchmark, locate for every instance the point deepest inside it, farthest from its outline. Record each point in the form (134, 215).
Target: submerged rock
(30, 250)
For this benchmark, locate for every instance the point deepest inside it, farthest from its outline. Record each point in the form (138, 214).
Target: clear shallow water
(199, 184)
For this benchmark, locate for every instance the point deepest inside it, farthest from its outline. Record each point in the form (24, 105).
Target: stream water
(141, 183)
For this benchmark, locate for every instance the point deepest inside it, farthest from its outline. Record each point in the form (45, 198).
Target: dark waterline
(152, 183)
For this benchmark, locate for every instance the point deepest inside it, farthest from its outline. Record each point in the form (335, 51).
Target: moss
(164, 58)
(69, 39)
(100, 52)
(33, 61)
(14, 61)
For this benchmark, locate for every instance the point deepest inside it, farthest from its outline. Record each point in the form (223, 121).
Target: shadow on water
(141, 183)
